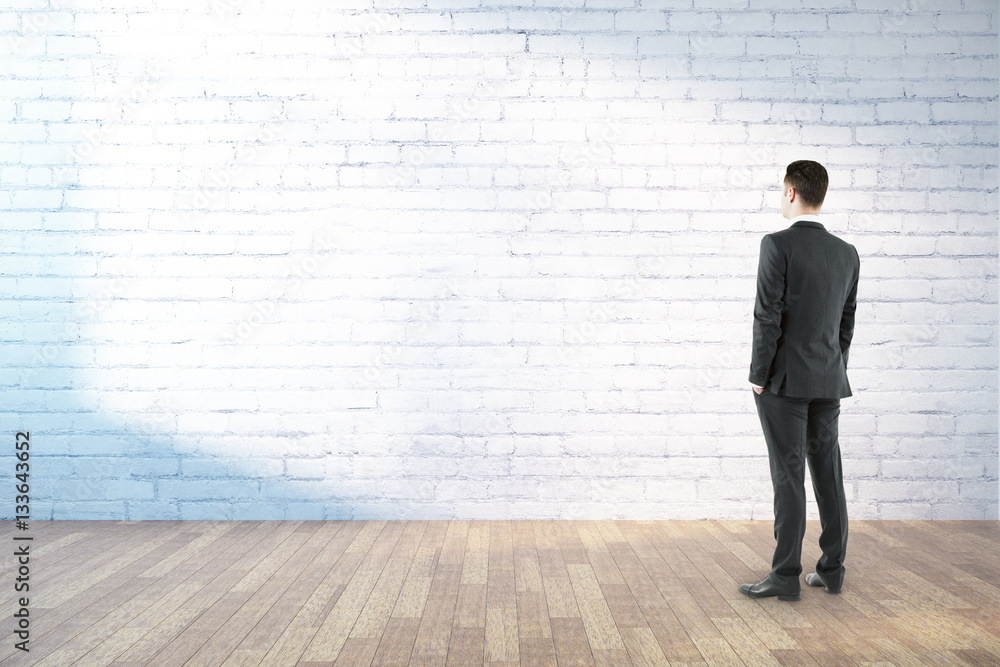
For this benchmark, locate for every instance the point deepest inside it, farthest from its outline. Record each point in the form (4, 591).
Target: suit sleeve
(847, 319)
(767, 310)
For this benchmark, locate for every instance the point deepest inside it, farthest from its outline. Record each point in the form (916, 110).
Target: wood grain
(504, 592)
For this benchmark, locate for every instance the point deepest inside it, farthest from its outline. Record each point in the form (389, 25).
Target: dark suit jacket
(803, 317)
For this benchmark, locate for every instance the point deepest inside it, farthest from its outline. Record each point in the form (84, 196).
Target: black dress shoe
(767, 589)
(814, 579)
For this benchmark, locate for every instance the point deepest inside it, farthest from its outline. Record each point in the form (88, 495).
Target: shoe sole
(835, 591)
(788, 598)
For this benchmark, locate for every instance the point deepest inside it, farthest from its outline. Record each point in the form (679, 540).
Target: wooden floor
(497, 592)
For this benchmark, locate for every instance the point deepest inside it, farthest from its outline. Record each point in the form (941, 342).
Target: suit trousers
(799, 431)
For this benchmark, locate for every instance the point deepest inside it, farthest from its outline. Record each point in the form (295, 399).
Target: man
(803, 321)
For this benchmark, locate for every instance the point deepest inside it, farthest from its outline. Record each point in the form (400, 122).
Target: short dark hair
(809, 180)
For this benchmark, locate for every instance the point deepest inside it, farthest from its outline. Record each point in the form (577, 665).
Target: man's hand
(757, 389)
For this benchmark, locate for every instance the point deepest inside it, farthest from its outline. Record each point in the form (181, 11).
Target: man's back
(804, 312)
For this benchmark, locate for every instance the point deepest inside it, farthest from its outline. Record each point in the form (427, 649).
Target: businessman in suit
(803, 322)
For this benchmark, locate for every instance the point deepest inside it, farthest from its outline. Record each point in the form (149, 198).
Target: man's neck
(798, 214)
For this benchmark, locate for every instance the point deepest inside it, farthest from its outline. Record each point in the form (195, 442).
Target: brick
(418, 21)
(800, 22)
(968, 22)
(903, 111)
(586, 21)
(937, 45)
(772, 46)
(128, 489)
(641, 21)
(854, 22)
(978, 46)
(555, 43)
(62, 45)
(962, 111)
(669, 44)
(602, 45)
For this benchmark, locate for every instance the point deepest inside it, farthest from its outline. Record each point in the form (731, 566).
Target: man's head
(804, 189)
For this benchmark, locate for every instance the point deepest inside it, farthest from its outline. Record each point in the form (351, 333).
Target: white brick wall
(463, 258)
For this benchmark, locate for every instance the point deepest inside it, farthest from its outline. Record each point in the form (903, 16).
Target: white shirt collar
(807, 216)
